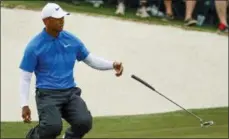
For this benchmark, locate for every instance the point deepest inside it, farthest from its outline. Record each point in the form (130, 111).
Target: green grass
(177, 124)
(105, 10)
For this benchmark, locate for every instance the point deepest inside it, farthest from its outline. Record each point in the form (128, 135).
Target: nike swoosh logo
(67, 45)
(57, 8)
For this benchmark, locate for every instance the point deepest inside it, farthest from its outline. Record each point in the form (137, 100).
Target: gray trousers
(52, 106)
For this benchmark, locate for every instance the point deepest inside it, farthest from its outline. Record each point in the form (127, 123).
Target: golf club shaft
(149, 86)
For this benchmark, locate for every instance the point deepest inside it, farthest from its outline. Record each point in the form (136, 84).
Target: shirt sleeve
(82, 51)
(29, 59)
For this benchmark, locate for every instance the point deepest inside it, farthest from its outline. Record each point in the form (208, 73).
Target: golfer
(51, 56)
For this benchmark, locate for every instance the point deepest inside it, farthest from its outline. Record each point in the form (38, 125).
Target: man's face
(55, 24)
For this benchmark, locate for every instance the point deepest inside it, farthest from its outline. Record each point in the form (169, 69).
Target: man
(221, 9)
(190, 6)
(51, 55)
(141, 10)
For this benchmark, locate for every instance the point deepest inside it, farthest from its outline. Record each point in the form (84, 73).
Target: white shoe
(97, 4)
(155, 11)
(63, 136)
(120, 9)
(142, 12)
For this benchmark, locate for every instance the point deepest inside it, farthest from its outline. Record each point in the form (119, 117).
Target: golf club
(202, 122)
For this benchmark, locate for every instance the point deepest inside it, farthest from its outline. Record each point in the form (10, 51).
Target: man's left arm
(98, 62)
(102, 64)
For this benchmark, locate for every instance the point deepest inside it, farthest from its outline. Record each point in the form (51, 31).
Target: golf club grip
(143, 82)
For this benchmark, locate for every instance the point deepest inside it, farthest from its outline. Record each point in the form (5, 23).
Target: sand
(187, 66)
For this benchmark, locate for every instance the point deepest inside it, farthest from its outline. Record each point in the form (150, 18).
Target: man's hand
(118, 68)
(26, 114)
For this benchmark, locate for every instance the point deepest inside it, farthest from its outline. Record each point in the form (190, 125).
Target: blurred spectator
(190, 5)
(145, 10)
(96, 3)
(221, 9)
(154, 8)
(120, 7)
(141, 11)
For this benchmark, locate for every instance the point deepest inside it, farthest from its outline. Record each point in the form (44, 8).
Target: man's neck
(52, 32)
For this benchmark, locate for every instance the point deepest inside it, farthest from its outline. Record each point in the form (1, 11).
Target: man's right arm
(25, 80)
(27, 66)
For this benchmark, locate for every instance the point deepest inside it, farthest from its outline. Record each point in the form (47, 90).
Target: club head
(207, 124)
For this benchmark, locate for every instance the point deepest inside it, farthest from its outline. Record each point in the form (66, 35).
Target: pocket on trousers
(77, 91)
(40, 94)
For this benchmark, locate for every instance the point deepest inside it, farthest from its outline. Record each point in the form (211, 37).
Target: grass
(105, 10)
(177, 124)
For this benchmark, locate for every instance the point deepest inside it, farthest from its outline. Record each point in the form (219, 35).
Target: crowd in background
(169, 10)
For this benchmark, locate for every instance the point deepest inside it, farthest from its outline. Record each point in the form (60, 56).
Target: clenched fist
(118, 68)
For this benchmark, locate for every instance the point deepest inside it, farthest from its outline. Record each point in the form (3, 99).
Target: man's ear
(45, 21)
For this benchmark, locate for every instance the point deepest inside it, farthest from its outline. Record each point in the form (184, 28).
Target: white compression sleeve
(24, 87)
(98, 63)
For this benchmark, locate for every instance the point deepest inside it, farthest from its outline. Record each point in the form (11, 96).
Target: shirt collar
(48, 36)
